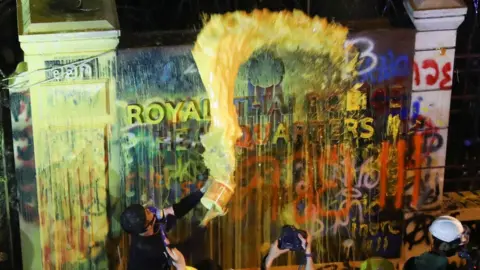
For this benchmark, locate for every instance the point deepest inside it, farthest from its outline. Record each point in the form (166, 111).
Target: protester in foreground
(449, 235)
(148, 229)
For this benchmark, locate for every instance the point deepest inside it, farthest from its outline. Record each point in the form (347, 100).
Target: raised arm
(307, 245)
(185, 205)
(273, 253)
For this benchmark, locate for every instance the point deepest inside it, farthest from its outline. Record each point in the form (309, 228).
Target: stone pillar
(64, 95)
(436, 22)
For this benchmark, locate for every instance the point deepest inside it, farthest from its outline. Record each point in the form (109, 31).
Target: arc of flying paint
(228, 40)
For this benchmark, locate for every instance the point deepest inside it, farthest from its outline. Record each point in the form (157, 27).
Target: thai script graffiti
(72, 69)
(440, 74)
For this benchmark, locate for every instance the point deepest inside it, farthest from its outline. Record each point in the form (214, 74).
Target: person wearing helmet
(449, 235)
(147, 226)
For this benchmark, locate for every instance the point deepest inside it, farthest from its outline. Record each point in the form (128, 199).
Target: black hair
(133, 219)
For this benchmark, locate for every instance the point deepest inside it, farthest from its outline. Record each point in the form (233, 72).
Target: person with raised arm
(148, 228)
(276, 251)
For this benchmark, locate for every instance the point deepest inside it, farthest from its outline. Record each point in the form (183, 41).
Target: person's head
(448, 235)
(137, 219)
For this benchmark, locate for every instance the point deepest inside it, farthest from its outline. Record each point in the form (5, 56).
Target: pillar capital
(61, 16)
(69, 43)
(434, 15)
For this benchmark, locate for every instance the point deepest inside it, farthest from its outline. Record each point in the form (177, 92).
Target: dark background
(167, 22)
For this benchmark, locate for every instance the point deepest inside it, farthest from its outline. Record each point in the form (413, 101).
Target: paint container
(217, 196)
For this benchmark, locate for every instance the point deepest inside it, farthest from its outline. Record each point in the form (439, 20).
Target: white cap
(447, 229)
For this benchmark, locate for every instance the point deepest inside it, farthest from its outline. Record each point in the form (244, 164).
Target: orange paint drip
(417, 141)
(240, 210)
(349, 175)
(329, 184)
(400, 173)
(259, 139)
(383, 173)
(333, 154)
(321, 167)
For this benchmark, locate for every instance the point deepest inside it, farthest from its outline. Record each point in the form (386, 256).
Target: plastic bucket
(217, 196)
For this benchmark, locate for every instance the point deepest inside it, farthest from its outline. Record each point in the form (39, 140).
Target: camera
(289, 238)
(472, 258)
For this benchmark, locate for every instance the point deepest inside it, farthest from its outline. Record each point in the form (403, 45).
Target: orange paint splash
(256, 182)
(313, 204)
(443, 51)
(331, 184)
(401, 146)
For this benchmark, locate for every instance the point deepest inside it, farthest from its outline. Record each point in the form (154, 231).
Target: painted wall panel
(433, 148)
(162, 161)
(431, 189)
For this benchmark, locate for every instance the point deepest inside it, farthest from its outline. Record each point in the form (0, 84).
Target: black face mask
(450, 249)
(451, 252)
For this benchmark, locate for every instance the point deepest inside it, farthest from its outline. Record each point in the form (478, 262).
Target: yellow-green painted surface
(64, 100)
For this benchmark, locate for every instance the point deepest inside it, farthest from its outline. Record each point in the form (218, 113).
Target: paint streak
(383, 173)
(418, 143)
(401, 146)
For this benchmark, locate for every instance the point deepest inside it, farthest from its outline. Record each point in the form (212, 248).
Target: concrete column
(66, 85)
(437, 22)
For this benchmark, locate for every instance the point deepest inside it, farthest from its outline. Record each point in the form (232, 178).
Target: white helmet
(447, 229)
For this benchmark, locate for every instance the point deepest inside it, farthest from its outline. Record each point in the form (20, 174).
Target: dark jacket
(428, 260)
(148, 252)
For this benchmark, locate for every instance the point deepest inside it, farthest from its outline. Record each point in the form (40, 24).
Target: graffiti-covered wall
(287, 172)
(113, 130)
